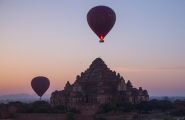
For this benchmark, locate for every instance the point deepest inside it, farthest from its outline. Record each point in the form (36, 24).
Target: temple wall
(97, 84)
(32, 116)
(87, 108)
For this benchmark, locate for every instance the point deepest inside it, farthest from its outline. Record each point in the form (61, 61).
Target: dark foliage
(178, 112)
(59, 109)
(41, 107)
(15, 103)
(125, 106)
(147, 106)
(100, 118)
(115, 107)
(144, 106)
(69, 116)
(73, 110)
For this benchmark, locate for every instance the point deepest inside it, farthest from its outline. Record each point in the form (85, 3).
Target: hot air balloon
(40, 85)
(101, 19)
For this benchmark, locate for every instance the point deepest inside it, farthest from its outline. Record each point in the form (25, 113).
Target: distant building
(179, 104)
(97, 85)
(6, 110)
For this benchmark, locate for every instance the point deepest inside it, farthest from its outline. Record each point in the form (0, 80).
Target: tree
(144, 106)
(24, 107)
(100, 118)
(39, 103)
(59, 109)
(100, 111)
(16, 103)
(153, 104)
(69, 116)
(125, 106)
(114, 107)
(164, 105)
(73, 110)
(40, 107)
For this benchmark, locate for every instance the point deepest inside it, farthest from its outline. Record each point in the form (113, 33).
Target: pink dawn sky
(51, 38)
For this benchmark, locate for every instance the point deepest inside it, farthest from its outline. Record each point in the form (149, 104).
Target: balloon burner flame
(101, 39)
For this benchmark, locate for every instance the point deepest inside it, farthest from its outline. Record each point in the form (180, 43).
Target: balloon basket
(101, 41)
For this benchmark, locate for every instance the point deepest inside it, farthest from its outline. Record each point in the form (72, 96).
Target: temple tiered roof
(98, 84)
(101, 80)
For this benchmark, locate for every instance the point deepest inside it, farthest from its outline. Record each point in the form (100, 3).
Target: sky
(51, 38)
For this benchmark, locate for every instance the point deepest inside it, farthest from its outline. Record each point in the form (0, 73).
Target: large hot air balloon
(101, 19)
(40, 85)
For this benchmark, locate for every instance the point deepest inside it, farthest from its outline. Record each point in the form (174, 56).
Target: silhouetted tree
(59, 109)
(40, 107)
(100, 118)
(144, 106)
(69, 116)
(153, 104)
(128, 106)
(164, 105)
(73, 110)
(114, 107)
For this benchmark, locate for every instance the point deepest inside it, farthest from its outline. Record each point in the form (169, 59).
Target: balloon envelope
(40, 85)
(101, 19)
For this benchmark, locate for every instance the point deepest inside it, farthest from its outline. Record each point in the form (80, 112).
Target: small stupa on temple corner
(96, 85)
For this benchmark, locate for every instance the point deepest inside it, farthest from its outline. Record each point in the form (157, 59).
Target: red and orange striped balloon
(101, 19)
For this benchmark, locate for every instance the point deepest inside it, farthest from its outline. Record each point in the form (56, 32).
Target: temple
(97, 85)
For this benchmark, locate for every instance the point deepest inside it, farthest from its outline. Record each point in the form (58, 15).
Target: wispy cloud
(168, 68)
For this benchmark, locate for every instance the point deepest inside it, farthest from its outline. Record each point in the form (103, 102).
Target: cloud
(169, 68)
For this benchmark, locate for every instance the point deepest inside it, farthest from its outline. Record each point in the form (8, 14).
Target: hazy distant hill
(24, 96)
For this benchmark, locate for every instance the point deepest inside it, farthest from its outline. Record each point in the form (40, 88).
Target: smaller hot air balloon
(101, 19)
(40, 85)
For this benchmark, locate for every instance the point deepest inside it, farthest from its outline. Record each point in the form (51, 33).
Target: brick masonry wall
(87, 108)
(114, 116)
(32, 116)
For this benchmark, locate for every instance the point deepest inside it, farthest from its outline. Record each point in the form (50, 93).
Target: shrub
(59, 107)
(175, 113)
(100, 111)
(115, 107)
(73, 110)
(69, 116)
(42, 109)
(100, 118)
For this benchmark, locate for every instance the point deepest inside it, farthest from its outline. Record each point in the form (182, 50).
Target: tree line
(144, 107)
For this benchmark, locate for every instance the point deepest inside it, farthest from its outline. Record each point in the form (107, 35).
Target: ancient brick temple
(97, 85)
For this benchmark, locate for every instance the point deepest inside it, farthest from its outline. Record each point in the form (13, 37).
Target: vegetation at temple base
(160, 105)
(59, 109)
(144, 107)
(178, 112)
(180, 108)
(69, 116)
(168, 109)
(155, 117)
(115, 107)
(41, 107)
(99, 118)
